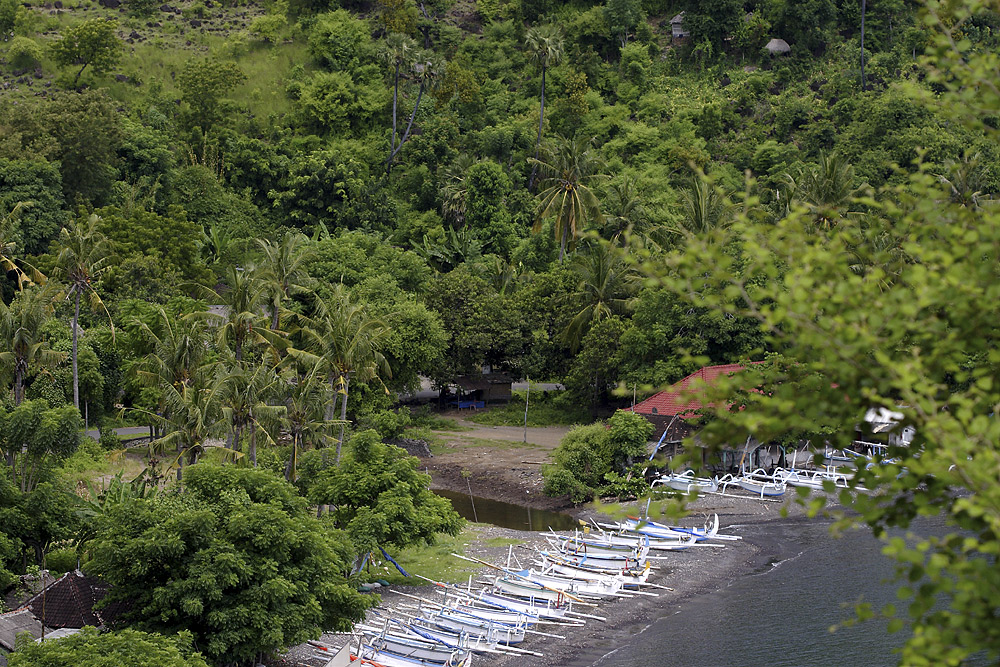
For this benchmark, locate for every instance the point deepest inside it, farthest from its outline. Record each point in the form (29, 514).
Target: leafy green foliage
(380, 498)
(93, 43)
(235, 558)
(589, 454)
(128, 648)
(23, 52)
(204, 83)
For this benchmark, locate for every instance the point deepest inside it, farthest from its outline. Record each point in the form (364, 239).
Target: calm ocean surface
(780, 612)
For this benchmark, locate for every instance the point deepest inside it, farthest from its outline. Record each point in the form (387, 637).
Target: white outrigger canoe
(758, 482)
(633, 577)
(814, 479)
(687, 482)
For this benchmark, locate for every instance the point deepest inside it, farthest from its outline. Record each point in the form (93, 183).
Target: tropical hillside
(251, 227)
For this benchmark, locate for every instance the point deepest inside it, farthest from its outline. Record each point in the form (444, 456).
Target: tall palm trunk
(19, 382)
(863, 7)
(562, 243)
(538, 139)
(392, 142)
(180, 461)
(76, 333)
(253, 447)
(343, 415)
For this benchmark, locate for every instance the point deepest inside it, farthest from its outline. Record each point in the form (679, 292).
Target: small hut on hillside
(777, 47)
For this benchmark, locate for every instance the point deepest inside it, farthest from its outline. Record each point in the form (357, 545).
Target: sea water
(781, 609)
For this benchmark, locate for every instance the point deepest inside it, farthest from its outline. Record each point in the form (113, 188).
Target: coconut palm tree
(282, 271)
(705, 208)
(545, 47)
(178, 350)
(607, 286)
(454, 187)
(243, 322)
(245, 395)
(23, 346)
(569, 168)
(8, 248)
(625, 212)
(826, 189)
(84, 254)
(307, 418)
(346, 343)
(192, 414)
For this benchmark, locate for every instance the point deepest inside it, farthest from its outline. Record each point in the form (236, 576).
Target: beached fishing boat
(630, 577)
(602, 587)
(598, 545)
(606, 562)
(430, 650)
(813, 479)
(465, 621)
(687, 482)
(758, 482)
(389, 659)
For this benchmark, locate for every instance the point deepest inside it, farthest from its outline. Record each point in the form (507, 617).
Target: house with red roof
(675, 408)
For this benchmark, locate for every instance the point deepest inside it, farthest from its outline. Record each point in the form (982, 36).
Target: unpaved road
(498, 463)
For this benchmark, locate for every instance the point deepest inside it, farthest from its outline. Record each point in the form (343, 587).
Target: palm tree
(191, 415)
(705, 207)
(965, 182)
(426, 68)
(244, 394)
(346, 345)
(178, 350)
(397, 52)
(306, 418)
(826, 189)
(243, 321)
(607, 286)
(625, 213)
(84, 254)
(8, 247)
(545, 44)
(569, 168)
(454, 188)
(21, 335)
(283, 270)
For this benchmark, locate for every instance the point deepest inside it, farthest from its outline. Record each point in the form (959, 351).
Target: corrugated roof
(14, 623)
(677, 401)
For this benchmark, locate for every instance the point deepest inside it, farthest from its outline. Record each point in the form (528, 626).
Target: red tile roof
(678, 399)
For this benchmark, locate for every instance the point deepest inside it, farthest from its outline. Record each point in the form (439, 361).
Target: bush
(141, 7)
(24, 53)
(268, 27)
(109, 437)
(389, 424)
(60, 561)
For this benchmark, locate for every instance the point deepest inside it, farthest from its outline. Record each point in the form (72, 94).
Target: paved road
(125, 432)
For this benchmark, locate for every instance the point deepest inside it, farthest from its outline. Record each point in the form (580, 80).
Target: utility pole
(527, 393)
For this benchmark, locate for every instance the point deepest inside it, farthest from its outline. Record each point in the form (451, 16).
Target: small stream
(507, 515)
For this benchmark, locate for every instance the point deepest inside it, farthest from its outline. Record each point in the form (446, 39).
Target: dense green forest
(262, 222)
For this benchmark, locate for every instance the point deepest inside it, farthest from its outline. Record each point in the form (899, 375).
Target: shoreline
(691, 574)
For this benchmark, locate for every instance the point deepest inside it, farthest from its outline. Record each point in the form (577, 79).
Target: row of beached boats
(562, 586)
(759, 482)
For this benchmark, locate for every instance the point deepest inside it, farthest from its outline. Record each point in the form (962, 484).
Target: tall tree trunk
(343, 416)
(562, 243)
(253, 446)
(409, 126)
(180, 462)
(274, 318)
(392, 142)
(863, 7)
(76, 333)
(18, 383)
(290, 466)
(538, 139)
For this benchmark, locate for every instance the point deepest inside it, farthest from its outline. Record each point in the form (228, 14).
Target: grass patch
(503, 542)
(545, 408)
(431, 561)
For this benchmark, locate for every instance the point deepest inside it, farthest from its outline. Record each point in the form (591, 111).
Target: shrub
(24, 53)
(60, 561)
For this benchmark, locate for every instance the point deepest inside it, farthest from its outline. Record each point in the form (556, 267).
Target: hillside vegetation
(251, 227)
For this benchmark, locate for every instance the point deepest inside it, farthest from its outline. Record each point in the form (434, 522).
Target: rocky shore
(688, 574)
